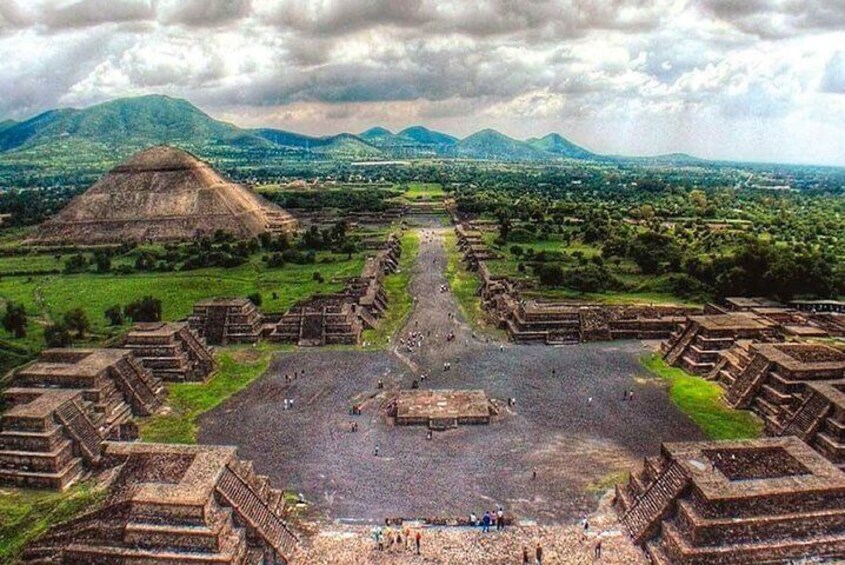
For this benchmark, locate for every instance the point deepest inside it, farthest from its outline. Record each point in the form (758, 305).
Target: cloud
(201, 13)
(834, 74)
(324, 65)
(85, 13)
(778, 18)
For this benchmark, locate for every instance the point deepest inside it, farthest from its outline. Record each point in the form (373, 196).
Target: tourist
(534, 473)
(473, 519)
(407, 532)
(485, 522)
(525, 560)
(538, 554)
(597, 552)
(376, 451)
(631, 396)
(417, 541)
(500, 519)
(586, 525)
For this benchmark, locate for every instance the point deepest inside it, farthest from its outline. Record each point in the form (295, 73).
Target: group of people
(386, 539)
(489, 519)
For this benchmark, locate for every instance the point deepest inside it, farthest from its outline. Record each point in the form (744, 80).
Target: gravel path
(571, 427)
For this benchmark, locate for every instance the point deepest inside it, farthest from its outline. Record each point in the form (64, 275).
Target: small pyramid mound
(162, 194)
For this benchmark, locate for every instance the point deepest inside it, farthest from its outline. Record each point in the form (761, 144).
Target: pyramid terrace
(174, 504)
(750, 501)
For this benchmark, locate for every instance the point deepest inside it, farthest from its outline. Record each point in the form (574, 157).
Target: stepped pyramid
(162, 194)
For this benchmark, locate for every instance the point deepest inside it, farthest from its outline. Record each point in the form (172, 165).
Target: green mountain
(376, 135)
(133, 122)
(114, 129)
(559, 146)
(491, 144)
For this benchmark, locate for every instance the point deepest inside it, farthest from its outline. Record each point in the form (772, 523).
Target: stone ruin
(561, 321)
(174, 504)
(701, 343)
(171, 351)
(747, 501)
(322, 319)
(221, 321)
(441, 409)
(162, 194)
(62, 407)
(698, 341)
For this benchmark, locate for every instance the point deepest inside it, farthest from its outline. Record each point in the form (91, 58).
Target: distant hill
(117, 128)
(133, 122)
(560, 146)
(491, 144)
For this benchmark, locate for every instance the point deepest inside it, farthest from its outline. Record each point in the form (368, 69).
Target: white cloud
(527, 67)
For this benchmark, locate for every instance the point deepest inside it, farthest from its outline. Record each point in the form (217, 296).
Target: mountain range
(129, 124)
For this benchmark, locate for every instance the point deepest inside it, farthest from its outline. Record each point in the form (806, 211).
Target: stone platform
(442, 408)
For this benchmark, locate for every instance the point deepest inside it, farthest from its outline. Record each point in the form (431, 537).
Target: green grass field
(701, 400)
(26, 514)
(398, 298)
(464, 284)
(425, 190)
(47, 297)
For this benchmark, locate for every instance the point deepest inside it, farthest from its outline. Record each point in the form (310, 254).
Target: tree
(76, 264)
(147, 309)
(114, 314)
(57, 335)
(650, 250)
(349, 248)
(516, 251)
(549, 274)
(255, 298)
(14, 321)
(77, 320)
(103, 261)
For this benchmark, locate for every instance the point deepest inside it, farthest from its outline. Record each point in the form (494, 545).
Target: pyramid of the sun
(162, 194)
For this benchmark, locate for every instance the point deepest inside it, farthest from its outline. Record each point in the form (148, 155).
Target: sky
(760, 80)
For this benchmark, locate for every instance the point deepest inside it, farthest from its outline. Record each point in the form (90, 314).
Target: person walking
(597, 553)
(485, 522)
(500, 519)
(525, 559)
(538, 554)
(417, 539)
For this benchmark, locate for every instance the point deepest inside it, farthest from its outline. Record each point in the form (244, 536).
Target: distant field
(644, 289)
(398, 295)
(427, 190)
(48, 297)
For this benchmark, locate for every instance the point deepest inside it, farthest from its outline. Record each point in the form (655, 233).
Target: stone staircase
(256, 512)
(311, 330)
(740, 393)
(808, 418)
(676, 350)
(142, 392)
(647, 510)
(215, 325)
(81, 430)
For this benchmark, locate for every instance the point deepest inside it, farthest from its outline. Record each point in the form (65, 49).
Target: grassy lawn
(701, 400)
(48, 297)
(424, 190)
(238, 367)
(464, 283)
(399, 301)
(26, 514)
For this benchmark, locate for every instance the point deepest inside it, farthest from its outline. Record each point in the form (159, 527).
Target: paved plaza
(569, 423)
